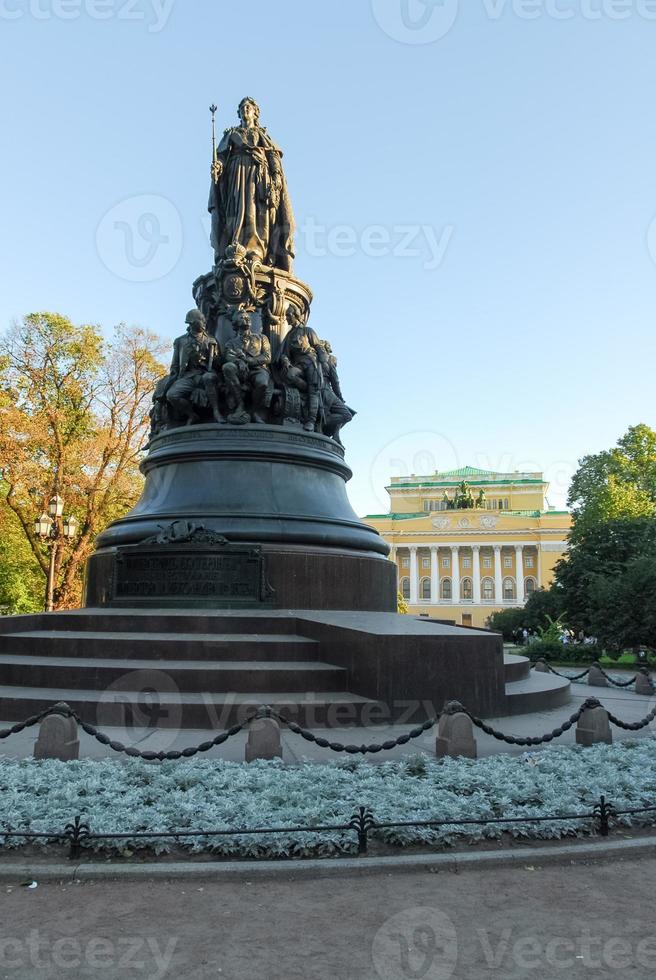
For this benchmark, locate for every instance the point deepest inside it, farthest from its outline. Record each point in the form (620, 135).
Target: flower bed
(132, 796)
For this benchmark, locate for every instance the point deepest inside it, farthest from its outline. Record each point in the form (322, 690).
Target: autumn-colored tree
(73, 420)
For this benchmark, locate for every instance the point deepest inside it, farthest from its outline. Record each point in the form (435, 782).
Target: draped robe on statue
(250, 203)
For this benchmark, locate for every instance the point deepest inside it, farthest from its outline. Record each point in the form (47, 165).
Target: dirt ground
(573, 921)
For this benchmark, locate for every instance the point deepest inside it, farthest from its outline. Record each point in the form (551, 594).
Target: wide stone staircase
(528, 691)
(199, 670)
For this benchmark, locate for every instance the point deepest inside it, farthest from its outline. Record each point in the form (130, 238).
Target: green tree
(21, 581)
(73, 420)
(613, 500)
(603, 553)
(542, 608)
(506, 621)
(617, 483)
(624, 606)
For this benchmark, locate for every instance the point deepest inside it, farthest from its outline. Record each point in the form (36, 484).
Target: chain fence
(584, 673)
(372, 748)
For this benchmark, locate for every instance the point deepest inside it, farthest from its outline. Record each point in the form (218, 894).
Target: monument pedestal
(242, 516)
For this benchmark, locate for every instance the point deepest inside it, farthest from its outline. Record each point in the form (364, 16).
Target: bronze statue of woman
(249, 202)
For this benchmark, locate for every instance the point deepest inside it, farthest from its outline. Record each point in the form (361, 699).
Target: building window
(530, 586)
(446, 563)
(425, 562)
(466, 562)
(405, 563)
(467, 588)
(425, 589)
(507, 562)
(445, 589)
(508, 589)
(405, 588)
(529, 561)
(487, 562)
(488, 590)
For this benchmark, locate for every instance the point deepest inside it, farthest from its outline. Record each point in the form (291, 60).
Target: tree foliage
(624, 606)
(542, 608)
(613, 543)
(615, 484)
(604, 552)
(73, 420)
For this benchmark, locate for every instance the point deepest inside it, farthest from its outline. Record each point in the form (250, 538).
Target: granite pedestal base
(279, 490)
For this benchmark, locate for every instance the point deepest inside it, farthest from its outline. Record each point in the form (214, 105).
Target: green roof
(448, 483)
(408, 516)
(467, 471)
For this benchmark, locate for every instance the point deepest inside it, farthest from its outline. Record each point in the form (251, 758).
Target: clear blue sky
(525, 144)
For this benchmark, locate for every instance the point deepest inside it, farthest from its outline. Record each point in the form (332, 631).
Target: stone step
(159, 646)
(211, 712)
(537, 692)
(153, 620)
(516, 668)
(185, 675)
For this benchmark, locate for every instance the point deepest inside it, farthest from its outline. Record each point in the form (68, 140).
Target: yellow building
(469, 542)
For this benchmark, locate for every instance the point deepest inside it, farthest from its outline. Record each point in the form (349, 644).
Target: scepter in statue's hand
(217, 167)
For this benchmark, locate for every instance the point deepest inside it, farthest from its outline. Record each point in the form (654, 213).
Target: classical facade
(470, 541)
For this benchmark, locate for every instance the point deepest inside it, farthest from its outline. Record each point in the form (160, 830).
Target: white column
(519, 571)
(476, 551)
(413, 575)
(435, 576)
(455, 573)
(538, 564)
(498, 577)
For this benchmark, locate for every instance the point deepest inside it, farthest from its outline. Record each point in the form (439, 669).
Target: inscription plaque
(225, 577)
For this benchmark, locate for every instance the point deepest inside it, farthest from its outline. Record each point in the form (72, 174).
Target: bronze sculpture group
(248, 356)
(464, 499)
(242, 384)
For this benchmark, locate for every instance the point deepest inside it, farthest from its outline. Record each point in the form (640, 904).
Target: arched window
(405, 588)
(508, 589)
(467, 589)
(425, 589)
(488, 590)
(445, 589)
(530, 585)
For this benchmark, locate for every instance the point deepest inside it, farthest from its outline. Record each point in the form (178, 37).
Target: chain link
(453, 707)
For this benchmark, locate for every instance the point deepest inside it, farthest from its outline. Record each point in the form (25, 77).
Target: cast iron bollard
(58, 737)
(596, 676)
(643, 684)
(263, 738)
(455, 735)
(593, 727)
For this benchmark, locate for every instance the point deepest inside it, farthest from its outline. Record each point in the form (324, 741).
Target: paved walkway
(625, 704)
(571, 922)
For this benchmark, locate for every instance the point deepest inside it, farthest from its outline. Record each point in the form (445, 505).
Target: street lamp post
(50, 527)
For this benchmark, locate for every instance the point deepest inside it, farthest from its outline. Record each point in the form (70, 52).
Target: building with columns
(468, 542)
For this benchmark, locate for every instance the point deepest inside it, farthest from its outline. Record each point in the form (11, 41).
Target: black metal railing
(78, 835)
